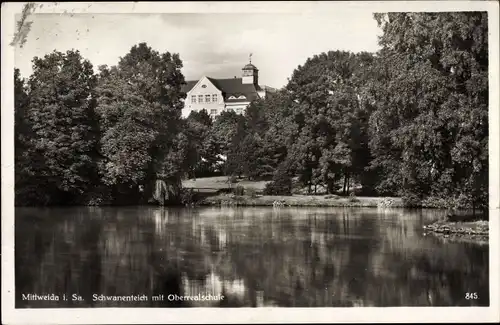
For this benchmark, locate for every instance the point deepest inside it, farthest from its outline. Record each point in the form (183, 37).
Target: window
(232, 97)
(214, 98)
(207, 98)
(242, 97)
(200, 98)
(239, 110)
(193, 99)
(213, 111)
(230, 110)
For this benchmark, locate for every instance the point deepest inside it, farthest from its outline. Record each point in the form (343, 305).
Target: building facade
(219, 95)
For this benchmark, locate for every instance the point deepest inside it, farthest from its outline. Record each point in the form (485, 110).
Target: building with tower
(219, 95)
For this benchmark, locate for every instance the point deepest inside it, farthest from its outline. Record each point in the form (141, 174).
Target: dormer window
(232, 97)
(242, 97)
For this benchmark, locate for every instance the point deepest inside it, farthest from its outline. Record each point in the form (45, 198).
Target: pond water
(286, 257)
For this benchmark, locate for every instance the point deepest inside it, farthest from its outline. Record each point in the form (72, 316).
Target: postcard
(227, 162)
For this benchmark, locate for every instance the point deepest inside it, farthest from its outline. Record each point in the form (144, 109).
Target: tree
(139, 107)
(281, 133)
(281, 183)
(331, 116)
(254, 158)
(20, 110)
(259, 139)
(63, 127)
(24, 184)
(236, 152)
(198, 129)
(430, 128)
(223, 139)
(224, 129)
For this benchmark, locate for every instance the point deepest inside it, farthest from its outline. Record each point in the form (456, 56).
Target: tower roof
(249, 66)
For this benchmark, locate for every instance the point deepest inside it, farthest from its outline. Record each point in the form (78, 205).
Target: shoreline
(301, 201)
(469, 231)
(447, 230)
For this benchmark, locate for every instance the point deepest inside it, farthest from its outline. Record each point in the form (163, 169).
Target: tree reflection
(253, 256)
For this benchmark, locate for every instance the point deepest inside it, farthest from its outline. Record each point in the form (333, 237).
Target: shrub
(280, 185)
(352, 197)
(251, 192)
(98, 197)
(439, 202)
(239, 190)
(411, 200)
(188, 196)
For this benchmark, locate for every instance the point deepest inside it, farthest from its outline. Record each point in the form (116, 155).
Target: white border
(235, 315)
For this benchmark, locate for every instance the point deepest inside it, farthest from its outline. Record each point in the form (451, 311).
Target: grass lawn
(221, 182)
(213, 184)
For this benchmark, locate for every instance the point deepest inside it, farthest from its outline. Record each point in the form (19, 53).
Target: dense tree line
(57, 130)
(112, 137)
(410, 120)
(429, 129)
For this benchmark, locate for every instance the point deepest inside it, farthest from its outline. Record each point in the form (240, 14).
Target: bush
(251, 192)
(98, 197)
(411, 200)
(439, 202)
(352, 197)
(239, 190)
(188, 196)
(280, 185)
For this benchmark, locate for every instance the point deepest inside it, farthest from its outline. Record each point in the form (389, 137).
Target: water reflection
(252, 256)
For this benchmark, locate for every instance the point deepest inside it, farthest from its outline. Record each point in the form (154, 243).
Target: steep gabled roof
(188, 86)
(235, 87)
(229, 87)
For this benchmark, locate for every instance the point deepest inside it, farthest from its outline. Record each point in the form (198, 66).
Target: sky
(212, 44)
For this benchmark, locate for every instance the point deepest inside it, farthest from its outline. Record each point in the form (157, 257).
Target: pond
(242, 257)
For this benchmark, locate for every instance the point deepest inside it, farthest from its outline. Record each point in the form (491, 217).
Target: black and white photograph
(298, 158)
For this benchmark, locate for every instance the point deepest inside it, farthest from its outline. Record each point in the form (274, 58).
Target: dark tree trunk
(330, 186)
